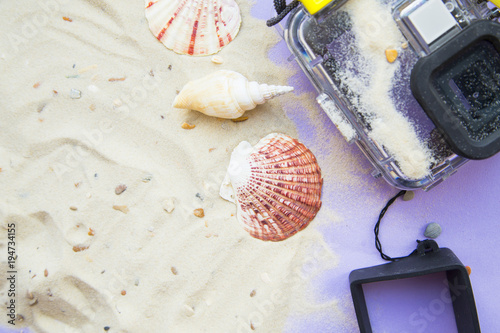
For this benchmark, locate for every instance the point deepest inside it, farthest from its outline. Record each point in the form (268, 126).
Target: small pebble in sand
(124, 209)
(240, 119)
(34, 301)
(115, 79)
(41, 107)
(79, 248)
(123, 293)
(19, 317)
(73, 208)
(252, 293)
(252, 327)
(169, 67)
(211, 149)
(199, 212)
(117, 103)
(408, 195)
(55, 92)
(217, 60)
(91, 232)
(147, 178)
(174, 270)
(168, 205)
(32, 298)
(469, 270)
(187, 126)
(75, 94)
(433, 230)
(136, 282)
(120, 189)
(92, 107)
(189, 311)
(391, 55)
(36, 85)
(67, 19)
(45, 272)
(106, 328)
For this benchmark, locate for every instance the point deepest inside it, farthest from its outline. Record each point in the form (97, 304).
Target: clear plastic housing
(319, 46)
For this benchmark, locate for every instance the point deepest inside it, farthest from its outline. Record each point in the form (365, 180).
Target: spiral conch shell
(194, 27)
(225, 94)
(276, 186)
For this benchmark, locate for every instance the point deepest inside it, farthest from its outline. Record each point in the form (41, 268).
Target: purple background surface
(467, 206)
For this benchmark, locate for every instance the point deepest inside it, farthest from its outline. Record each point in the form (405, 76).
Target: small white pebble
(168, 205)
(75, 94)
(188, 310)
(147, 178)
(217, 59)
(93, 88)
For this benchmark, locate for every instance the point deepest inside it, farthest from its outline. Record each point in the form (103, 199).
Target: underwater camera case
(371, 99)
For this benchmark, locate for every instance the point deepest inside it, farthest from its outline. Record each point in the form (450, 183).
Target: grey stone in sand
(75, 94)
(433, 230)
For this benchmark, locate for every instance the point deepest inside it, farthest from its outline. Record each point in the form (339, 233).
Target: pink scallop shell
(194, 27)
(282, 192)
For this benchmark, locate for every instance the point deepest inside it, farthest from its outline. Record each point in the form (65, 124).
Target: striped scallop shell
(194, 27)
(276, 186)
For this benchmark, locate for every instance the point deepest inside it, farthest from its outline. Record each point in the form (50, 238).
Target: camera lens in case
(458, 86)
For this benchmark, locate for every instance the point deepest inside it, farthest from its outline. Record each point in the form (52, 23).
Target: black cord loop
(376, 230)
(282, 9)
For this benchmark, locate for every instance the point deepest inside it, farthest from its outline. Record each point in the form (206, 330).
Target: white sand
(376, 32)
(57, 152)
